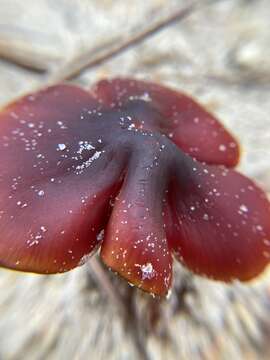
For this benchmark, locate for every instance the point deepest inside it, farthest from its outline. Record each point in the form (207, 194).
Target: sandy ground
(220, 54)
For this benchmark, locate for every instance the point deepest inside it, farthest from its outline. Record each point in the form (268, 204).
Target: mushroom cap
(187, 124)
(138, 170)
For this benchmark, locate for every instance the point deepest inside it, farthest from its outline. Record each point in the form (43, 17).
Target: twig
(23, 54)
(85, 60)
(135, 325)
(124, 304)
(105, 283)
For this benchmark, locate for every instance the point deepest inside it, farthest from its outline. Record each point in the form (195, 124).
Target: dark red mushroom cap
(186, 123)
(139, 170)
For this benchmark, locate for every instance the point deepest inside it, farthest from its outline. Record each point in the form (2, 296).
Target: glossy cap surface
(135, 168)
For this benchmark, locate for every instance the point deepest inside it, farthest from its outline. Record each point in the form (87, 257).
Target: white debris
(148, 271)
(222, 147)
(243, 208)
(87, 163)
(61, 147)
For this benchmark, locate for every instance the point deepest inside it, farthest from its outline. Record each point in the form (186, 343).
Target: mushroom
(138, 170)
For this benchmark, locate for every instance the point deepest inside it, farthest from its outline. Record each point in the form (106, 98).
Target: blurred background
(217, 51)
